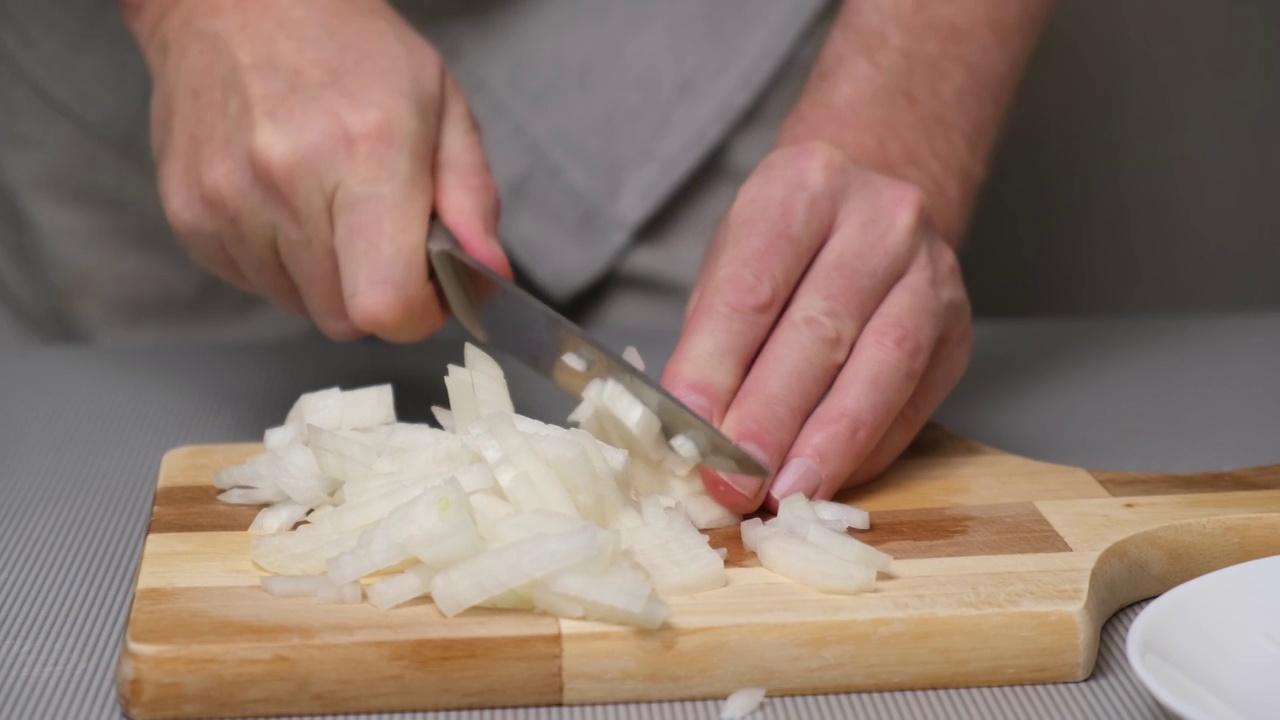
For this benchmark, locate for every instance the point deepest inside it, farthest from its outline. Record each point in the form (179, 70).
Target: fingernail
(697, 404)
(799, 475)
(746, 484)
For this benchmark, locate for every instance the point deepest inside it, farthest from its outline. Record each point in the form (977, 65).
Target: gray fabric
(82, 432)
(592, 114)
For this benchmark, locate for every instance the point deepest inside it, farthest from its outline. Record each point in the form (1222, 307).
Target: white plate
(1209, 649)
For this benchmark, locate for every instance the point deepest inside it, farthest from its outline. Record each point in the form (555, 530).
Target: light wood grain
(1005, 571)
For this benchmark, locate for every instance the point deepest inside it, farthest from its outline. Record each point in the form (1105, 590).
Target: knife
(499, 314)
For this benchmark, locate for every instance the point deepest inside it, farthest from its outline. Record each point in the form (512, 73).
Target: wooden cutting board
(1005, 570)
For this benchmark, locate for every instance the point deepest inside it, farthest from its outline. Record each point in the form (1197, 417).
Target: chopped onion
(398, 589)
(252, 496)
(632, 356)
(348, 594)
(574, 361)
(493, 509)
(846, 515)
(742, 703)
(294, 585)
(444, 417)
(278, 517)
(806, 564)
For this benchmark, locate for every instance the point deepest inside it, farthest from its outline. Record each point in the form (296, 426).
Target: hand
(302, 148)
(828, 323)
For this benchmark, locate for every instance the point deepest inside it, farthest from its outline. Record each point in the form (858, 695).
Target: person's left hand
(828, 323)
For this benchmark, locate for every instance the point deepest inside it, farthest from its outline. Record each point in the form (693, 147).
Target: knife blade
(498, 314)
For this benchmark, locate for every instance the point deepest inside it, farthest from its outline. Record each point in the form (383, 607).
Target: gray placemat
(82, 432)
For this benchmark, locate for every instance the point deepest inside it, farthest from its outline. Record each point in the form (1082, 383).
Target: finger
(258, 256)
(466, 199)
(874, 241)
(212, 255)
(239, 216)
(886, 365)
(775, 227)
(311, 262)
(945, 370)
(380, 240)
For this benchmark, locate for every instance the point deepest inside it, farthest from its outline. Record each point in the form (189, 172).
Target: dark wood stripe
(196, 509)
(1005, 529)
(1121, 484)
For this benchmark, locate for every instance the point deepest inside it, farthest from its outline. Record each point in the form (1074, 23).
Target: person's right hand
(302, 149)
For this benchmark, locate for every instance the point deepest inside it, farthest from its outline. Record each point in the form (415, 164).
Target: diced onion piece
(742, 703)
(553, 603)
(847, 548)
(517, 448)
(686, 447)
(621, 595)
(488, 510)
(723, 553)
(678, 563)
(278, 517)
(849, 516)
(376, 551)
(321, 407)
(795, 515)
(478, 361)
(807, 564)
(445, 417)
(258, 472)
(338, 443)
(346, 594)
(752, 530)
(398, 589)
(513, 599)
(304, 551)
(632, 356)
(281, 435)
(493, 572)
(462, 397)
(252, 496)
(294, 585)
(574, 361)
(367, 406)
(706, 513)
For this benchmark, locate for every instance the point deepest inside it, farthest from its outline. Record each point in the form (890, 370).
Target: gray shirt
(597, 117)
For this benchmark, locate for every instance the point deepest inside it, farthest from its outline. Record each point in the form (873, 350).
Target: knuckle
(184, 212)
(278, 157)
(750, 293)
(815, 164)
(824, 332)
(220, 185)
(902, 345)
(846, 422)
(904, 204)
(379, 313)
(374, 133)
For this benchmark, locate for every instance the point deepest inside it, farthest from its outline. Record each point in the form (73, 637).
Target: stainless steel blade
(500, 315)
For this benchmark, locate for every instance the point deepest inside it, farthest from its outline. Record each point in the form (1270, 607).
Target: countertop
(82, 431)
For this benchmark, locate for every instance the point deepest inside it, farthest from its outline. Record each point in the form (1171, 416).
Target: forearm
(918, 89)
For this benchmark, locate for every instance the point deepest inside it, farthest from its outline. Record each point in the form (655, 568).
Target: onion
(742, 703)
(845, 515)
(278, 517)
(598, 522)
(632, 356)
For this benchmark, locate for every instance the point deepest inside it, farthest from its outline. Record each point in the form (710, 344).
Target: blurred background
(1140, 168)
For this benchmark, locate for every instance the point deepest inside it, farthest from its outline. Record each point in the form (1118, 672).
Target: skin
(830, 318)
(302, 149)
